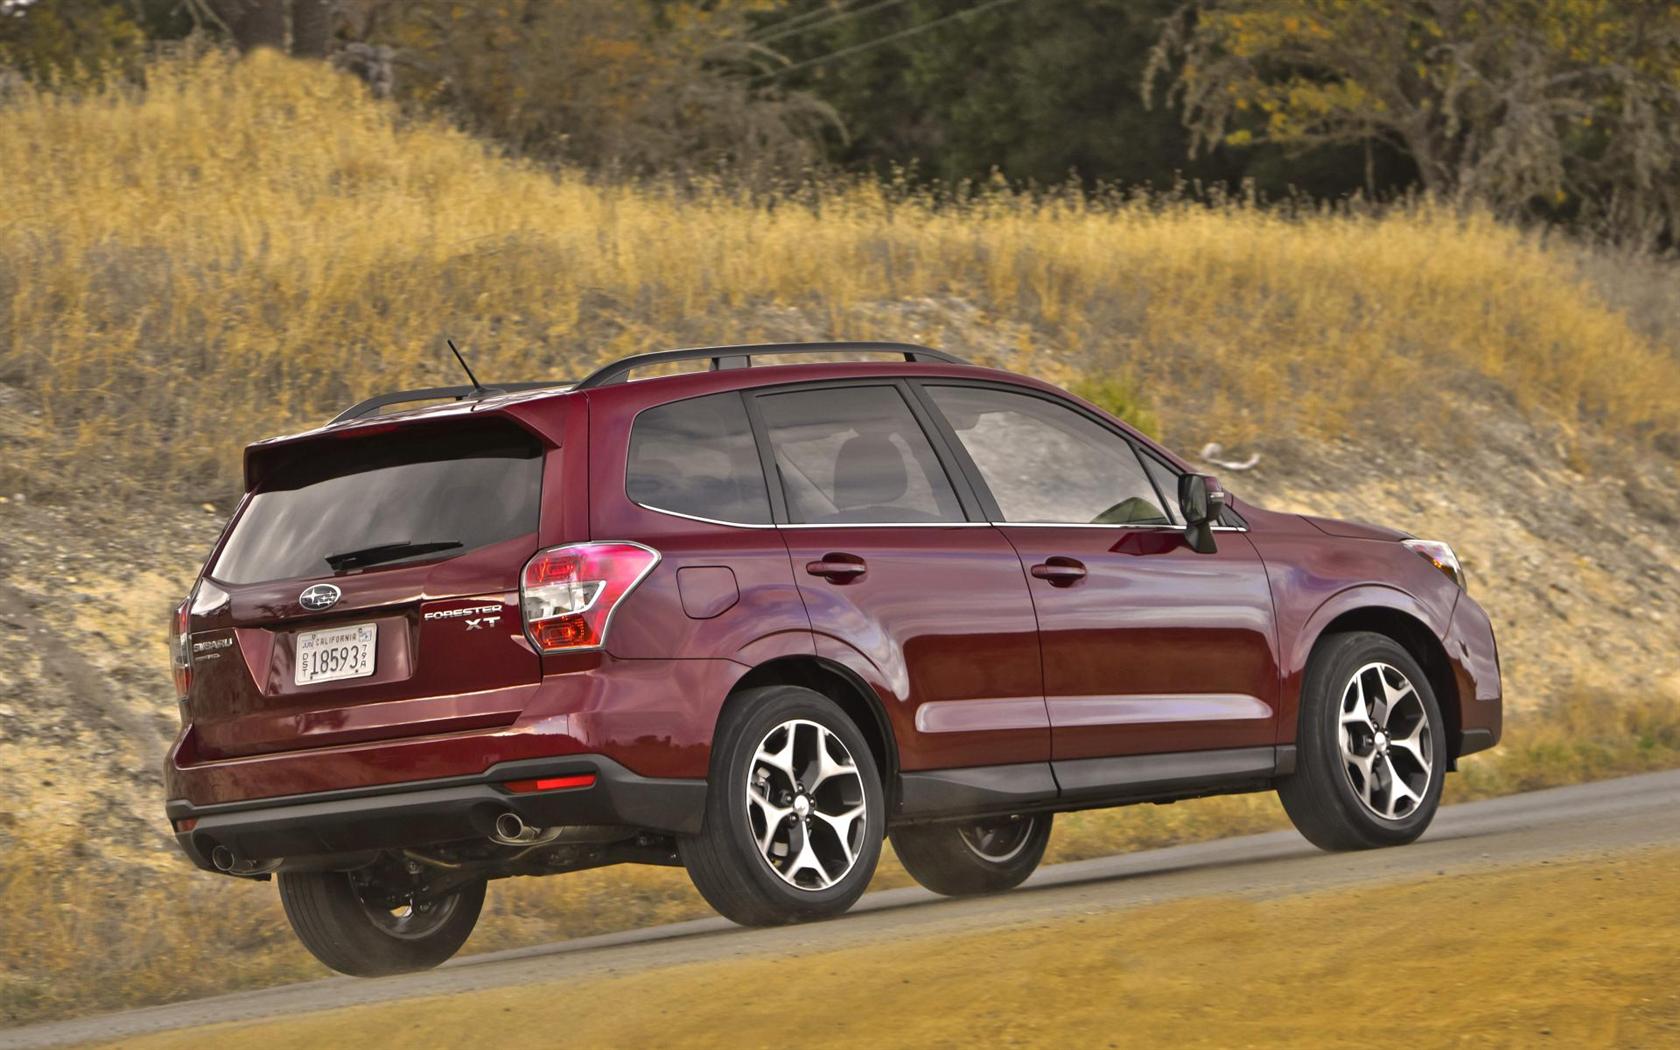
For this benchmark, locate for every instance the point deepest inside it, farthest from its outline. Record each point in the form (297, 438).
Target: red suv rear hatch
(369, 589)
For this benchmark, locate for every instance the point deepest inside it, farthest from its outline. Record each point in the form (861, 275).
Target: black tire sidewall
(938, 858)
(727, 798)
(328, 917)
(1327, 678)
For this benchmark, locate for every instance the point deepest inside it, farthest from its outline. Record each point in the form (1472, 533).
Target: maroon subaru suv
(754, 620)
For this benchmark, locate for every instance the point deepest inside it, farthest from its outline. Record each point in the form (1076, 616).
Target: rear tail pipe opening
(511, 830)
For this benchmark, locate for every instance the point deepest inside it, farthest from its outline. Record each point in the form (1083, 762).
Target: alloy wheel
(806, 807)
(1387, 741)
(409, 921)
(998, 840)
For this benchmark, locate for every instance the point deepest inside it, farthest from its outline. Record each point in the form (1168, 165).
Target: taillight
(180, 647)
(568, 594)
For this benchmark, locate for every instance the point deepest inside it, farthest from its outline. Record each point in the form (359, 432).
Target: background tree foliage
(625, 85)
(71, 43)
(1558, 109)
(1038, 90)
(1562, 106)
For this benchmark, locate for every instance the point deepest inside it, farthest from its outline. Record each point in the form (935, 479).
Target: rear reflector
(523, 787)
(186, 824)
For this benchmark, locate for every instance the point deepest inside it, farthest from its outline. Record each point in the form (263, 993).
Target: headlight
(1439, 555)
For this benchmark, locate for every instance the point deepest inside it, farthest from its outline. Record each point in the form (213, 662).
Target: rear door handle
(837, 568)
(1061, 572)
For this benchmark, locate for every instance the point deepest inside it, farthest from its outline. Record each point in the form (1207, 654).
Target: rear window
(697, 457)
(384, 500)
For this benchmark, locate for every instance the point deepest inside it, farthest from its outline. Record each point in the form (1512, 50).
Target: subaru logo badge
(321, 596)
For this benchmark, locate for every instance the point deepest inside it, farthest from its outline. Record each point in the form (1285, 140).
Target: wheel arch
(1422, 644)
(846, 689)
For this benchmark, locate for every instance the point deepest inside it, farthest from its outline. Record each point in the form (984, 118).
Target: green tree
(629, 85)
(1035, 89)
(302, 27)
(1544, 106)
(69, 43)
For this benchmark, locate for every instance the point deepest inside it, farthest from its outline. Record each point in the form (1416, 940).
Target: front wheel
(794, 811)
(985, 856)
(1372, 750)
(352, 928)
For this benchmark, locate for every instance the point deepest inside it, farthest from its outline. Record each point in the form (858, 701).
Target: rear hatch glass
(408, 544)
(384, 500)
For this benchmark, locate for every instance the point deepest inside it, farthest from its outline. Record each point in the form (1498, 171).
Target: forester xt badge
(476, 617)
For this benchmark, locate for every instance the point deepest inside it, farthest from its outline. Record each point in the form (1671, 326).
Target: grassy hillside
(242, 250)
(248, 248)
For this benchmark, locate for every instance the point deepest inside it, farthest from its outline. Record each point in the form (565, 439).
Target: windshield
(385, 500)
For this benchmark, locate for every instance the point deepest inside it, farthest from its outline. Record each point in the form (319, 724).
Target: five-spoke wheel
(980, 856)
(351, 926)
(805, 802)
(1370, 755)
(1387, 741)
(795, 815)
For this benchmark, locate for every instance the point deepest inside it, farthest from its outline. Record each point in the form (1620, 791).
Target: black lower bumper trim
(428, 813)
(1473, 740)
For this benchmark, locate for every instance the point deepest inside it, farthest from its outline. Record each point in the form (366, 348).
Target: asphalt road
(1608, 816)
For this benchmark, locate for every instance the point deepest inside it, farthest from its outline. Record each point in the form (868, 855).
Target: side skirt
(1088, 783)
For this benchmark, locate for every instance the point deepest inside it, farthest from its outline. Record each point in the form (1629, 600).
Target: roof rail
(723, 357)
(438, 393)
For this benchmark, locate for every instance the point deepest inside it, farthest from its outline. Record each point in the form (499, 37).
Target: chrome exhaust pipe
(223, 858)
(511, 830)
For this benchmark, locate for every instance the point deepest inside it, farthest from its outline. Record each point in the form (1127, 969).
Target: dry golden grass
(246, 248)
(81, 936)
(1578, 954)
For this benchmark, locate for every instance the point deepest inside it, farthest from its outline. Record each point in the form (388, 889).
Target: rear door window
(385, 500)
(856, 455)
(698, 458)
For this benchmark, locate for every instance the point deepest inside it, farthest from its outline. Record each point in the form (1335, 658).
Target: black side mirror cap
(1201, 499)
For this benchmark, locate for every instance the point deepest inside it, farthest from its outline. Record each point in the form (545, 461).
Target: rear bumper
(428, 812)
(653, 717)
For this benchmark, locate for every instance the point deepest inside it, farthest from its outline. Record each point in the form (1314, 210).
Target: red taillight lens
(180, 647)
(568, 593)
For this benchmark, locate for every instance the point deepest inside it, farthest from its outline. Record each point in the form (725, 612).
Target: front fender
(1297, 645)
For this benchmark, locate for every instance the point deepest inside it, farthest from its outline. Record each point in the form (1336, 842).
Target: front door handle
(837, 568)
(1061, 572)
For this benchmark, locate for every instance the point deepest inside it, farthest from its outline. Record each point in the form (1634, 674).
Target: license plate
(338, 652)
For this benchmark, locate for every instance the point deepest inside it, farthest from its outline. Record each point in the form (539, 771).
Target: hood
(1354, 530)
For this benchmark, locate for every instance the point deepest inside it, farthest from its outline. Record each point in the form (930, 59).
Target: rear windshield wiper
(387, 552)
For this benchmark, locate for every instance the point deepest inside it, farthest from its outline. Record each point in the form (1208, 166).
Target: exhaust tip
(223, 858)
(511, 828)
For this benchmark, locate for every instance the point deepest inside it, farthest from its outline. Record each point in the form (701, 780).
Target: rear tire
(363, 940)
(794, 811)
(987, 856)
(1372, 749)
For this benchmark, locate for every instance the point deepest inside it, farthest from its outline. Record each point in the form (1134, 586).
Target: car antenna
(478, 388)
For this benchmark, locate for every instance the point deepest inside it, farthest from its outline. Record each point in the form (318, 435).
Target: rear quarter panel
(678, 612)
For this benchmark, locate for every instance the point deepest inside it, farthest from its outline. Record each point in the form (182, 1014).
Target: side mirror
(1200, 499)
